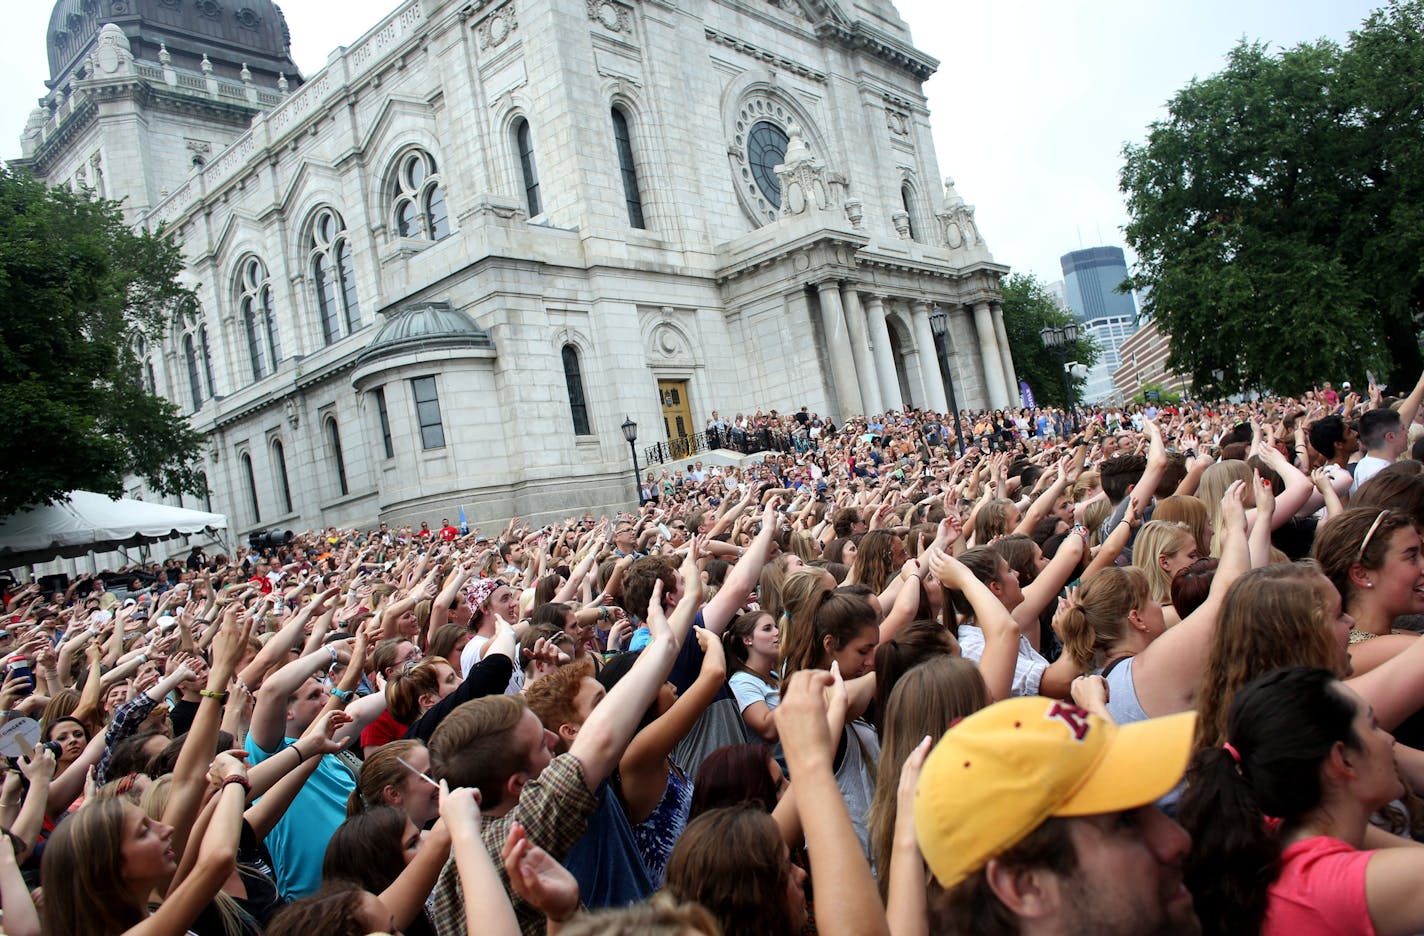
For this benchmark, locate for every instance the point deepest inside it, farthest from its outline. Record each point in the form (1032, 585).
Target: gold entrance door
(677, 417)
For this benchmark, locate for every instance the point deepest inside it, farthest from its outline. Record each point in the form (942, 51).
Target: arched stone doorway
(900, 345)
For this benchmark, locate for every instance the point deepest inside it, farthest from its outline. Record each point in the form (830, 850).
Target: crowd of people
(1124, 671)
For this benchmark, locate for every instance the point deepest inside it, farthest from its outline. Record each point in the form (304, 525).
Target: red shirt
(383, 730)
(263, 583)
(447, 533)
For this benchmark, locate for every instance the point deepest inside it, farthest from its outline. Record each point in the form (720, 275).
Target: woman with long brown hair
(104, 864)
(733, 862)
(924, 703)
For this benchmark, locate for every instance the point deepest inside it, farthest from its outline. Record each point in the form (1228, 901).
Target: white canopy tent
(87, 522)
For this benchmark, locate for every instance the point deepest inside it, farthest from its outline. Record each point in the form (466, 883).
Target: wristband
(214, 694)
(243, 781)
(334, 658)
(300, 756)
(343, 694)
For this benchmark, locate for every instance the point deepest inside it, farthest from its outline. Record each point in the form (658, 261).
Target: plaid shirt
(554, 810)
(127, 721)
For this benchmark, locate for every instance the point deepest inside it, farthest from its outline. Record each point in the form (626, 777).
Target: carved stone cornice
(863, 38)
(764, 55)
(238, 114)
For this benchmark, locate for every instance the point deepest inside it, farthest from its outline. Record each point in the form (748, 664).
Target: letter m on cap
(1074, 717)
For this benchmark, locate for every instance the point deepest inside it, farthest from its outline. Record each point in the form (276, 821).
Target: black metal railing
(746, 441)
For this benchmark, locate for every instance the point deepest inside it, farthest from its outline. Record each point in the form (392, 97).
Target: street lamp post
(1058, 339)
(630, 432)
(939, 325)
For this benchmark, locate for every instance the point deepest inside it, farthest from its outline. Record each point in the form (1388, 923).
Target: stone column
(884, 354)
(989, 351)
(1011, 379)
(929, 360)
(860, 350)
(833, 323)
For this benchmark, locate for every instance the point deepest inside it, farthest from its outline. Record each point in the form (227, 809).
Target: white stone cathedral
(442, 270)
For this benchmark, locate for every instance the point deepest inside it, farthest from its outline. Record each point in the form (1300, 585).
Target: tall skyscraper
(1091, 277)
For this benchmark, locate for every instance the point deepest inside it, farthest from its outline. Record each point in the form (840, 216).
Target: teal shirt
(298, 841)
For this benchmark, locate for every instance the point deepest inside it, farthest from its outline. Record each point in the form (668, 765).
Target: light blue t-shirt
(298, 841)
(749, 688)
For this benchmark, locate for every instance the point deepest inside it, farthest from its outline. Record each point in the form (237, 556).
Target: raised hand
(227, 764)
(1261, 490)
(545, 885)
(39, 767)
(324, 730)
(460, 808)
(1233, 507)
(801, 719)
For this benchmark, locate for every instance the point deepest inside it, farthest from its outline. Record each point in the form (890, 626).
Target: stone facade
(401, 259)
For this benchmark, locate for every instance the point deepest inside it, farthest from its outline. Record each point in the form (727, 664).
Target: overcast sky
(1031, 106)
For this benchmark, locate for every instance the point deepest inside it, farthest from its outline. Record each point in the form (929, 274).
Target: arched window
(766, 149)
(251, 480)
(427, 412)
(338, 461)
(334, 276)
(628, 169)
(573, 380)
(384, 416)
(418, 198)
(195, 380)
(524, 143)
(907, 198)
(279, 466)
(259, 317)
(207, 359)
(150, 383)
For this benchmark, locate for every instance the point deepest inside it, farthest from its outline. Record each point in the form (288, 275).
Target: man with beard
(1037, 817)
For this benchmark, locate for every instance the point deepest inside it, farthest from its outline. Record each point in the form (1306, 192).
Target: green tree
(1028, 309)
(1278, 213)
(78, 290)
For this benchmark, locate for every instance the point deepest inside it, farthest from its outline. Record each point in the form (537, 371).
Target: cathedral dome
(423, 326)
(230, 32)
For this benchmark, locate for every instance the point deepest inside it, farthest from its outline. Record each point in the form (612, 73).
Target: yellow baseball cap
(1000, 773)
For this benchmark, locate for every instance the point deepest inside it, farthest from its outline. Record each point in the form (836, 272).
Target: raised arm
(1039, 593)
(905, 899)
(217, 855)
(1169, 670)
(847, 902)
(643, 767)
(744, 574)
(605, 735)
(269, 715)
(1143, 492)
(283, 642)
(487, 908)
(1001, 633)
(1044, 502)
(189, 773)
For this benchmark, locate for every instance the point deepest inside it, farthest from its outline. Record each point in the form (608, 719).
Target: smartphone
(17, 665)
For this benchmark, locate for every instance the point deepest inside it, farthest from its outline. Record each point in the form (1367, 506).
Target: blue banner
(464, 527)
(1026, 392)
